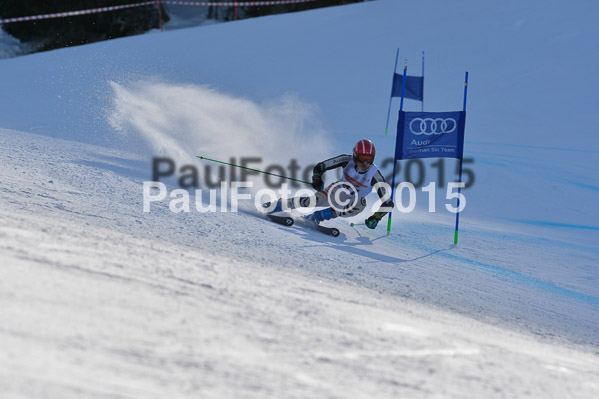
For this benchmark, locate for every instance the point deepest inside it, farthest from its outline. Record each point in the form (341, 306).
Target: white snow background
(99, 299)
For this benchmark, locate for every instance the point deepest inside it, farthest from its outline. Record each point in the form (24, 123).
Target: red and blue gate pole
(160, 16)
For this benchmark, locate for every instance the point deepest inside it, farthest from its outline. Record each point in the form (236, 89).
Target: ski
(288, 221)
(331, 231)
(284, 220)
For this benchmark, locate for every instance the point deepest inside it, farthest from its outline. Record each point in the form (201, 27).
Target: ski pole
(253, 170)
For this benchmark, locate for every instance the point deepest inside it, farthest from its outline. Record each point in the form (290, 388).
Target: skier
(345, 197)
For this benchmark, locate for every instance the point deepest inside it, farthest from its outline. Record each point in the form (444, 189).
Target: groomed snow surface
(101, 300)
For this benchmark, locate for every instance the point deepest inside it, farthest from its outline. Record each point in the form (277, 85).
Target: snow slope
(101, 299)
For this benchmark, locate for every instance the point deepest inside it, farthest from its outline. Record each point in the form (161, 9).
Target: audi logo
(430, 126)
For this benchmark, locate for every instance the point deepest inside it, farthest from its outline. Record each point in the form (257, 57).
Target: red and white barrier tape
(147, 3)
(234, 3)
(74, 13)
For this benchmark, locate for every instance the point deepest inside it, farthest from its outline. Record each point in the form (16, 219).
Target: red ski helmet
(364, 149)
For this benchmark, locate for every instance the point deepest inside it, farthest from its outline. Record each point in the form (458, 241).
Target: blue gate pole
(422, 102)
(403, 88)
(457, 216)
(391, 95)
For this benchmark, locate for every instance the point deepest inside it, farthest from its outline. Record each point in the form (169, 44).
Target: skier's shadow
(339, 243)
(354, 248)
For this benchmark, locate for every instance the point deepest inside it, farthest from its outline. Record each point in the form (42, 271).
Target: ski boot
(278, 207)
(303, 202)
(321, 215)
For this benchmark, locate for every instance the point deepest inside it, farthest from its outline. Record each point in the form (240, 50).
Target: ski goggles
(365, 158)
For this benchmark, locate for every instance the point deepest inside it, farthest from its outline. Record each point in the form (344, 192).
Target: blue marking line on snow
(578, 184)
(556, 224)
(527, 280)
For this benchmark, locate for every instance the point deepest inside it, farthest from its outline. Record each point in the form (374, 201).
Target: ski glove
(317, 183)
(372, 221)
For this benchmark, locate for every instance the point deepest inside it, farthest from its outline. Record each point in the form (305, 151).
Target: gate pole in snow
(403, 88)
(457, 216)
(422, 102)
(391, 95)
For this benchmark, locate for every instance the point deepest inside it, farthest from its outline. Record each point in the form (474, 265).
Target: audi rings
(430, 126)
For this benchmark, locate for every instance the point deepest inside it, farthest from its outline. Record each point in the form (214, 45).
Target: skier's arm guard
(340, 161)
(321, 167)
